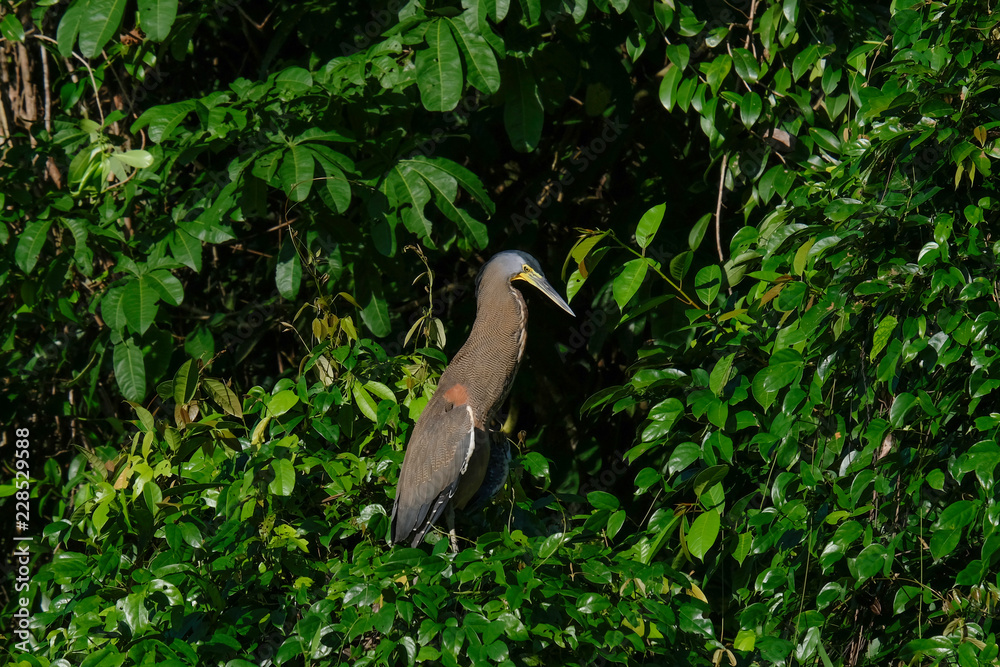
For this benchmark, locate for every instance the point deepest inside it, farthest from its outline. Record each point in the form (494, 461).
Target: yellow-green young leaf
(282, 402)
(648, 224)
(703, 533)
(137, 159)
(802, 256)
(627, 282)
(882, 335)
(145, 418)
(225, 397)
(364, 401)
(721, 374)
(743, 547)
(697, 232)
(745, 640)
(185, 382)
(380, 390)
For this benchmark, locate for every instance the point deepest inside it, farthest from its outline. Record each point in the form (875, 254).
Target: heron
(450, 461)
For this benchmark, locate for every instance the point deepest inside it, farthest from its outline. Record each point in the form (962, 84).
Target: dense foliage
(240, 242)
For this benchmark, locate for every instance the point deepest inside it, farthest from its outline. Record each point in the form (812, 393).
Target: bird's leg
(450, 520)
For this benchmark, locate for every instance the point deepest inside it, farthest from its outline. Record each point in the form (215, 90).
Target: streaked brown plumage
(448, 454)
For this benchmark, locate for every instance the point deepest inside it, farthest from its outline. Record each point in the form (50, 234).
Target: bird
(450, 462)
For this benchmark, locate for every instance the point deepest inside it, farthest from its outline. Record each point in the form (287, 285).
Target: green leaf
(480, 62)
(703, 533)
(288, 271)
(522, 112)
(439, 69)
(364, 401)
(707, 283)
(284, 478)
(69, 27)
(464, 177)
(185, 382)
(225, 397)
(296, 172)
(627, 282)
(130, 371)
(30, 244)
(282, 402)
(697, 233)
(602, 500)
(186, 249)
(294, 80)
(784, 368)
(336, 189)
(648, 224)
(163, 120)
(137, 159)
(11, 28)
(901, 406)
(746, 65)
(445, 188)
(166, 285)
(751, 106)
(139, 303)
(870, 561)
(882, 335)
(156, 17)
(680, 264)
(721, 373)
(99, 23)
(112, 310)
(551, 544)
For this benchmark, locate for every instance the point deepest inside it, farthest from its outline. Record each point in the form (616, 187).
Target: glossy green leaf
(156, 17)
(139, 304)
(480, 62)
(99, 23)
(648, 224)
(284, 478)
(707, 283)
(30, 244)
(628, 282)
(130, 371)
(439, 68)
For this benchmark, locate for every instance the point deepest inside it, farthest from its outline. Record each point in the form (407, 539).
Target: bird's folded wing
(436, 456)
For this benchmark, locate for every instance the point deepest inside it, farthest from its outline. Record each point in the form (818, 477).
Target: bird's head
(511, 265)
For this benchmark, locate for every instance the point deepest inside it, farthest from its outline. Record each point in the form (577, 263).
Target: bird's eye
(526, 268)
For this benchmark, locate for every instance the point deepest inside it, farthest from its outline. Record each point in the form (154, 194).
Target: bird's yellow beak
(531, 276)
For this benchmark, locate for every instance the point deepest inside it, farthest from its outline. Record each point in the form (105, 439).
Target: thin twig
(48, 93)
(83, 61)
(748, 44)
(718, 207)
